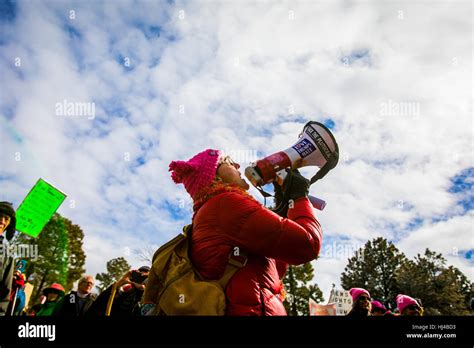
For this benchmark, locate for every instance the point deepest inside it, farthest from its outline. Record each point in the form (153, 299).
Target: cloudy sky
(165, 80)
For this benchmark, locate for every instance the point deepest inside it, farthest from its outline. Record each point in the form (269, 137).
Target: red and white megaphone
(316, 146)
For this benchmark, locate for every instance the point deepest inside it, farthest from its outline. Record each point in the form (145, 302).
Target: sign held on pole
(38, 207)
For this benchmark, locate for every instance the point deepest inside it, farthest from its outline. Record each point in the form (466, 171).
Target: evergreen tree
(77, 256)
(466, 287)
(116, 268)
(54, 254)
(442, 290)
(299, 291)
(374, 268)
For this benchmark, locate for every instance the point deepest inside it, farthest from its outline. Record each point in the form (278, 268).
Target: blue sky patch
(141, 160)
(463, 182)
(8, 10)
(73, 33)
(9, 111)
(361, 57)
(75, 45)
(414, 223)
(154, 62)
(179, 210)
(300, 119)
(329, 123)
(152, 32)
(462, 187)
(114, 108)
(171, 38)
(468, 255)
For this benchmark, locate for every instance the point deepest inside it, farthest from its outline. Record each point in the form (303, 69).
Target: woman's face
(229, 173)
(378, 312)
(4, 222)
(52, 297)
(412, 310)
(363, 302)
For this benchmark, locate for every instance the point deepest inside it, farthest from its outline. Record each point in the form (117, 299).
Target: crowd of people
(121, 298)
(226, 217)
(363, 305)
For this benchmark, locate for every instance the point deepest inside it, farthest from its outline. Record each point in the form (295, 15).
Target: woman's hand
(295, 185)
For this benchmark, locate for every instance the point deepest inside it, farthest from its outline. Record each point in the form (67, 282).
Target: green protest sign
(38, 207)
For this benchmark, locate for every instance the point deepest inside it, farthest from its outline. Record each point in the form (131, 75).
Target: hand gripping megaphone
(316, 146)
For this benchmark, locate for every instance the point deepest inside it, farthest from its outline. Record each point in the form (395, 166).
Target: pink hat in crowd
(356, 292)
(378, 305)
(55, 287)
(403, 301)
(196, 173)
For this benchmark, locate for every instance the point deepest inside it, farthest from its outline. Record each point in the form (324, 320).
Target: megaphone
(316, 146)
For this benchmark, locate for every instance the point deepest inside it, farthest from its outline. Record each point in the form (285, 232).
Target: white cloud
(451, 238)
(327, 271)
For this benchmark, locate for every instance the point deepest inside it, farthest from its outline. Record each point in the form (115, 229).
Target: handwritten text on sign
(38, 207)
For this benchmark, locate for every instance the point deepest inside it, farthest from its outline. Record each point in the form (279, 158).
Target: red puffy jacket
(232, 219)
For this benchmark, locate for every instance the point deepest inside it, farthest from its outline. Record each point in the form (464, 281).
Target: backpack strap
(110, 302)
(233, 264)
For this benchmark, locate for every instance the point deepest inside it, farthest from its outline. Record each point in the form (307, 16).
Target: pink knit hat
(378, 305)
(196, 173)
(356, 292)
(403, 301)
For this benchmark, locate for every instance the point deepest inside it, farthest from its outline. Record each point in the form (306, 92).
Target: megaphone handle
(281, 176)
(317, 202)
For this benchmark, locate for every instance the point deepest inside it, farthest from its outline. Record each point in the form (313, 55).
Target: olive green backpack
(176, 287)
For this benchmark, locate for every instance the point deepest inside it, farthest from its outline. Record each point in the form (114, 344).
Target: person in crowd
(227, 218)
(54, 295)
(378, 309)
(76, 303)
(17, 295)
(7, 231)
(408, 306)
(361, 305)
(125, 295)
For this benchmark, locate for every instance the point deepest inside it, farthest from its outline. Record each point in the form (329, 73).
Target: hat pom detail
(180, 170)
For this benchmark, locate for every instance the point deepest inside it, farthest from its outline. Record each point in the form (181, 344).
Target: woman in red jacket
(227, 219)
